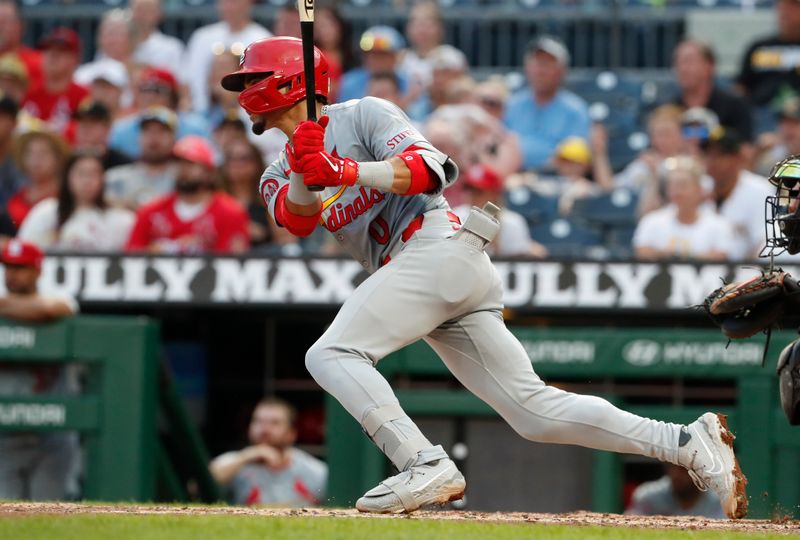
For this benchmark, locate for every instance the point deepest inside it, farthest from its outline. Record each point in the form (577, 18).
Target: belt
(416, 224)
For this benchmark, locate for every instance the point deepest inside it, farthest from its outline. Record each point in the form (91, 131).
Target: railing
(599, 34)
(116, 414)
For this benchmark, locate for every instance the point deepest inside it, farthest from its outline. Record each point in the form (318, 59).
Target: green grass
(201, 527)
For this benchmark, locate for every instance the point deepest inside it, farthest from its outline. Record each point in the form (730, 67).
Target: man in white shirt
(107, 81)
(234, 32)
(482, 185)
(153, 48)
(738, 194)
(685, 228)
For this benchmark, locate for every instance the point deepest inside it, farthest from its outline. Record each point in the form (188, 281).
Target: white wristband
(377, 174)
(298, 192)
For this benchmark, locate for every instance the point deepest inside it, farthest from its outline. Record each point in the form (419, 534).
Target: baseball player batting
(430, 279)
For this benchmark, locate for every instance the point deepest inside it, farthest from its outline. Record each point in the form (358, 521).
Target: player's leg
(16, 456)
(53, 477)
(392, 308)
(485, 356)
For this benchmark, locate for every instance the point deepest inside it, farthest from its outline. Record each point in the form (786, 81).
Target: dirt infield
(12, 509)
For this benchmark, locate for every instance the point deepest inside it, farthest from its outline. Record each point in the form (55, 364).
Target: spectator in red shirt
(196, 218)
(41, 156)
(11, 41)
(58, 97)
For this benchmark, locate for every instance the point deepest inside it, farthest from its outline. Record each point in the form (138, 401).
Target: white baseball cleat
(708, 456)
(437, 482)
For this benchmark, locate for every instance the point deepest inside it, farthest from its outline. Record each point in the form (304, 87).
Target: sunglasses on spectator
(156, 89)
(490, 102)
(240, 157)
(695, 132)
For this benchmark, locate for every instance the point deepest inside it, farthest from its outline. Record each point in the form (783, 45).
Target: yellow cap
(575, 149)
(11, 65)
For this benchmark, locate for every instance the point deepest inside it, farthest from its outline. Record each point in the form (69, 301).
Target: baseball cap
(575, 149)
(726, 140)
(61, 38)
(196, 149)
(162, 115)
(698, 123)
(790, 109)
(107, 69)
(21, 253)
(551, 46)
(231, 119)
(447, 57)
(12, 66)
(91, 109)
(484, 178)
(156, 78)
(381, 38)
(39, 130)
(8, 106)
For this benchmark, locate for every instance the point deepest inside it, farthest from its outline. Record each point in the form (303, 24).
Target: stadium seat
(569, 238)
(619, 240)
(533, 206)
(657, 90)
(614, 101)
(614, 209)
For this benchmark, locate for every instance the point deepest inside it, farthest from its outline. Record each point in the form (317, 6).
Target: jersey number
(379, 230)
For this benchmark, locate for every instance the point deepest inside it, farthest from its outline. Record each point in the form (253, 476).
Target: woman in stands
(241, 172)
(685, 228)
(40, 155)
(79, 219)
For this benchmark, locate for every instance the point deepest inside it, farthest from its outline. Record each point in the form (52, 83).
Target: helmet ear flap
(789, 381)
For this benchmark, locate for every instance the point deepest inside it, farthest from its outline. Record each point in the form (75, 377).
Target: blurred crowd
(140, 149)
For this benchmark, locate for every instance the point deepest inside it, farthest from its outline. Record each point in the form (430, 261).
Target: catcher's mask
(782, 211)
(789, 381)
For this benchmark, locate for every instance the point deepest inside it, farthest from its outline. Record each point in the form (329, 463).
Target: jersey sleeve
(39, 226)
(233, 234)
(386, 131)
(275, 178)
(139, 239)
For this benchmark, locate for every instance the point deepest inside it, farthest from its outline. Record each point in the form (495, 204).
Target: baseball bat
(306, 10)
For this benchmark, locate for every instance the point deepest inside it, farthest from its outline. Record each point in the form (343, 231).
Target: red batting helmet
(281, 60)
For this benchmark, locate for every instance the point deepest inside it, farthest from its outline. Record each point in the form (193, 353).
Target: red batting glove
(322, 169)
(291, 158)
(309, 137)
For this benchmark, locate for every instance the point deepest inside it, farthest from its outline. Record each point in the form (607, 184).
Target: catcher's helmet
(783, 221)
(280, 60)
(789, 381)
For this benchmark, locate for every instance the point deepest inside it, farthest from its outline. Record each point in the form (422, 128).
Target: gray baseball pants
(448, 293)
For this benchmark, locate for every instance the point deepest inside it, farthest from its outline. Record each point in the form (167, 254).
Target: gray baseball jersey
(301, 483)
(369, 223)
(656, 499)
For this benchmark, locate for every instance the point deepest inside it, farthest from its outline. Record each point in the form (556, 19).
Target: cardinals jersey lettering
(367, 222)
